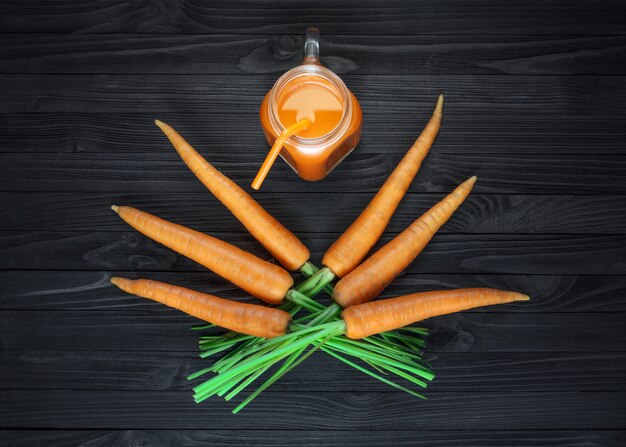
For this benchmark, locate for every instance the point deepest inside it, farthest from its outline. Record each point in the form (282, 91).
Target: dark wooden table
(535, 106)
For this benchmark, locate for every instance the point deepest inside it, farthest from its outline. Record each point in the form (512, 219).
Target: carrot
(260, 278)
(379, 316)
(354, 244)
(251, 319)
(277, 239)
(370, 278)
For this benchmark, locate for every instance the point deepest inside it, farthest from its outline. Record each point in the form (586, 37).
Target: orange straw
(303, 124)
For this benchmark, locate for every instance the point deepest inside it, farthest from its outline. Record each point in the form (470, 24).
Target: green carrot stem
(198, 373)
(211, 342)
(317, 282)
(225, 367)
(309, 269)
(404, 375)
(284, 350)
(234, 352)
(252, 352)
(380, 353)
(405, 352)
(420, 371)
(297, 354)
(304, 301)
(370, 355)
(415, 330)
(329, 314)
(409, 342)
(248, 381)
(216, 383)
(200, 328)
(209, 352)
(377, 349)
(384, 343)
(393, 335)
(294, 360)
(373, 365)
(369, 373)
(309, 317)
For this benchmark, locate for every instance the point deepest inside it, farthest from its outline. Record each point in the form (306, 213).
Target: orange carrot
(379, 316)
(260, 278)
(277, 239)
(354, 244)
(370, 278)
(251, 319)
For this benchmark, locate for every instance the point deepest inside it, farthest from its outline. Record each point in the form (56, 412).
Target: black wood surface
(535, 106)
(272, 438)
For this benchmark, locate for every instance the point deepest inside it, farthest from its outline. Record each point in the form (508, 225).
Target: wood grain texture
(315, 213)
(218, 135)
(315, 438)
(319, 410)
(364, 54)
(207, 106)
(478, 372)
(123, 173)
(291, 16)
(91, 291)
(165, 330)
(447, 253)
(535, 106)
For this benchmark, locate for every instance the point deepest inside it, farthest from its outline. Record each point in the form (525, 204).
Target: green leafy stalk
(316, 283)
(308, 270)
(391, 352)
(293, 344)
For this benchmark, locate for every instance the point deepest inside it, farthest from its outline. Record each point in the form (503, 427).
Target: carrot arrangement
(372, 337)
(260, 278)
(354, 244)
(277, 239)
(366, 281)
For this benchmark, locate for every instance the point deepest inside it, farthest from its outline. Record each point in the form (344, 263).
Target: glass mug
(312, 91)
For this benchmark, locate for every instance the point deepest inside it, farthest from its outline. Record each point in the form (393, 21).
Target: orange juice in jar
(326, 114)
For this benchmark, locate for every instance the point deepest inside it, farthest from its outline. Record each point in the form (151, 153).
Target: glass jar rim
(318, 70)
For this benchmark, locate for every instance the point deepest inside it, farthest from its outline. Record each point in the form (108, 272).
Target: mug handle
(312, 46)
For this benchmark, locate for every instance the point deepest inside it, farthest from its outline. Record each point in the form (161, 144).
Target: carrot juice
(312, 91)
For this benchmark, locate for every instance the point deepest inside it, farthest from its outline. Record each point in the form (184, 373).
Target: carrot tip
(471, 180)
(439, 106)
(523, 298)
(159, 123)
(115, 208)
(115, 280)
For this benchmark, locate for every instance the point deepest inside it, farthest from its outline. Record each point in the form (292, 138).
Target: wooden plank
(291, 16)
(317, 212)
(314, 438)
(318, 410)
(165, 330)
(84, 290)
(467, 372)
(447, 253)
(219, 135)
(363, 54)
(441, 173)
(206, 105)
